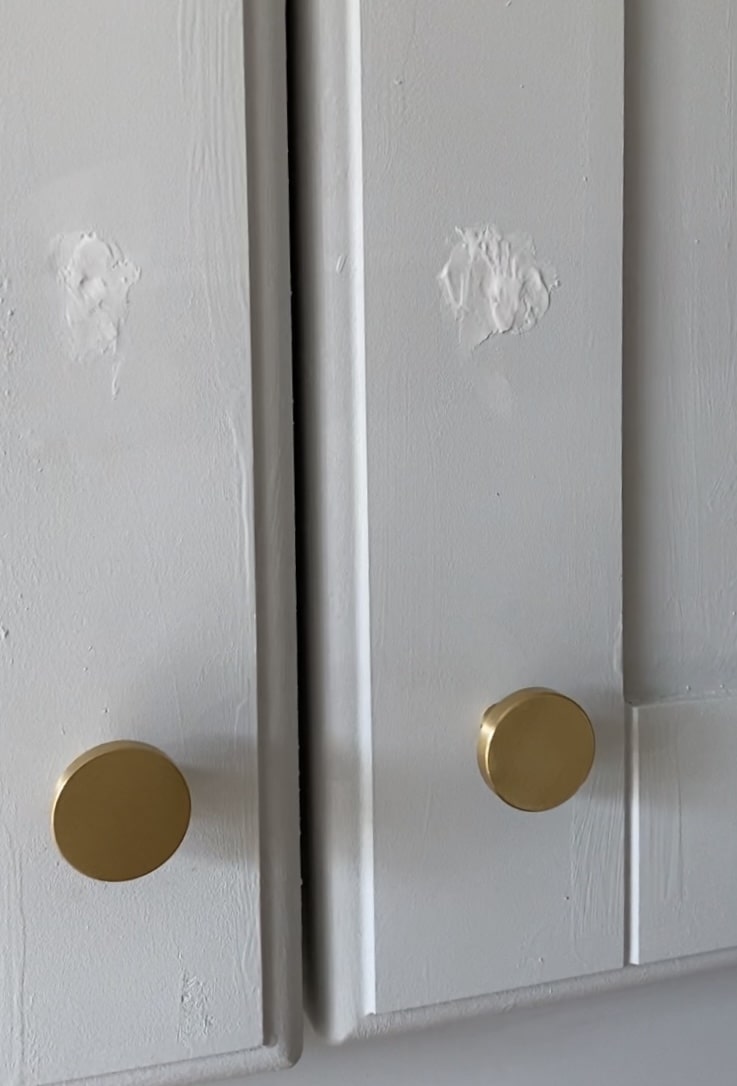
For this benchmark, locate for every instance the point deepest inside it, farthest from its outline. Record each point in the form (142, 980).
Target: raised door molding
(148, 552)
(461, 512)
(462, 507)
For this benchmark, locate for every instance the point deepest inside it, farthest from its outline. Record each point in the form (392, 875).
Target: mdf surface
(463, 505)
(147, 555)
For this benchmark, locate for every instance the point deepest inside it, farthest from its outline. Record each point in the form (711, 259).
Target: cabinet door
(680, 481)
(461, 412)
(147, 559)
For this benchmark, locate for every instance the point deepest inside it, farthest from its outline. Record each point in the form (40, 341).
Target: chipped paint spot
(194, 1020)
(97, 280)
(494, 284)
(7, 313)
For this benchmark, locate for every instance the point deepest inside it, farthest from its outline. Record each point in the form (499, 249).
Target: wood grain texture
(684, 854)
(468, 542)
(148, 562)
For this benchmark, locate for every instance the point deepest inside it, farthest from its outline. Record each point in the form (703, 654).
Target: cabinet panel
(680, 469)
(147, 555)
(463, 505)
(680, 377)
(684, 853)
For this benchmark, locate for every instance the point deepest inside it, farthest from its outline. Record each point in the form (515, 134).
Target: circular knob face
(535, 749)
(120, 811)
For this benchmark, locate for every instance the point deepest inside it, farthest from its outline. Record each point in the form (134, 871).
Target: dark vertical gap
(268, 241)
(298, 140)
(632, 408)
(632, 510)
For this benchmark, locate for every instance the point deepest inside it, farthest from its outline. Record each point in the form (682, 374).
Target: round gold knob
(535, 749)
(120, 811)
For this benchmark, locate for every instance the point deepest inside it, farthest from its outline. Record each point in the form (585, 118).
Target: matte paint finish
(679, 558)
(676, 1032)
(680, 463)
(458, 548)
(680, 482)
(147, 558)
(494, 556)
(677, 634)
(679, 1033)
(684, 845)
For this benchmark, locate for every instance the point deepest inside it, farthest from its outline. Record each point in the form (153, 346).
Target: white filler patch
(494, 284)
(97, 279)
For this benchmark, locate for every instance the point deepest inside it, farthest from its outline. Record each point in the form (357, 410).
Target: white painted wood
(684, 845)
(680, 614)
(680, 377)
(676, 1033)
(147, 555)
(462, 510)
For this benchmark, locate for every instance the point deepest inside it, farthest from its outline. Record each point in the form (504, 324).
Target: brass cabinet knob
(120, 811)
(535, 749)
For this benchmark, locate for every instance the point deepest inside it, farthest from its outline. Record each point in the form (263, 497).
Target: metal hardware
(535, 749)
(120, 811)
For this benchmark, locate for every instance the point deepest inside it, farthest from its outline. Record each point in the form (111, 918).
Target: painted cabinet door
(146, 542)
(681, 480)
(469, 528)
(459, 175)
